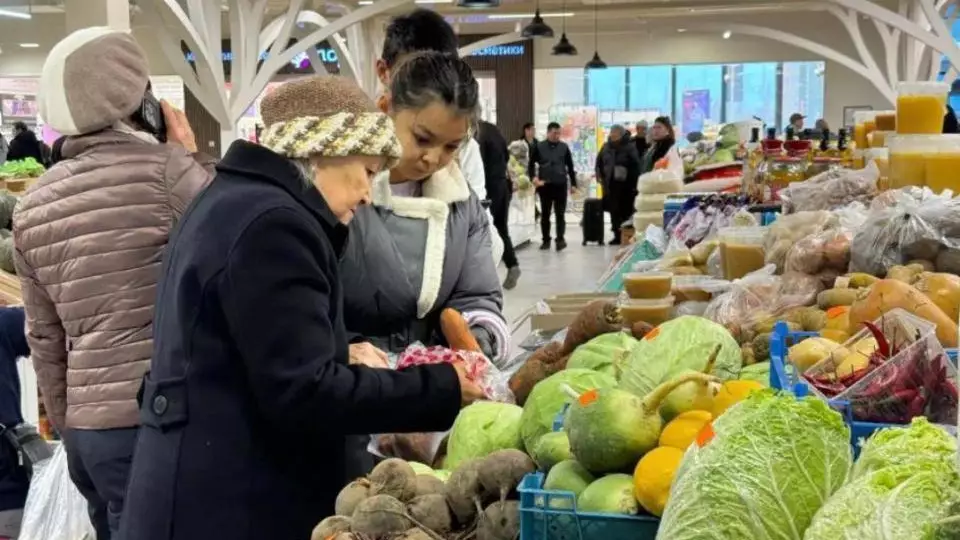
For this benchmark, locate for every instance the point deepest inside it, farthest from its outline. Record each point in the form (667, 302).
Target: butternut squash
(943, 290)
(888, 294)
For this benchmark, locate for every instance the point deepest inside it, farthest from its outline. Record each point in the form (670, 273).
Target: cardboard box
(564, 309)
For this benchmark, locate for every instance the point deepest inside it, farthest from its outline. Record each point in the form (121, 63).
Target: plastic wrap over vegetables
(911, 228)
(772, 462)
(826, 253)
(55, 509)
(831, 189)
(904, 486)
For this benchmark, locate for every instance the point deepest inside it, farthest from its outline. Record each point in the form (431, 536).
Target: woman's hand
(469, 391)
(178, 127)
(366, 354)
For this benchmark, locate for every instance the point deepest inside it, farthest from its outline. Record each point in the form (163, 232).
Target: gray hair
(306, 169)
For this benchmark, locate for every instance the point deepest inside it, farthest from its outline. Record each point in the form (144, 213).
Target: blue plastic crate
(784, 377)
(553, 515)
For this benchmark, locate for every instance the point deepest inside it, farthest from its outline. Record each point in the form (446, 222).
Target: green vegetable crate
(553, 515)
(784, 377)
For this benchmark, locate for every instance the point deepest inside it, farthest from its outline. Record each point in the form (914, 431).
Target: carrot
(887, 294)
(457, 332)
(597, 317)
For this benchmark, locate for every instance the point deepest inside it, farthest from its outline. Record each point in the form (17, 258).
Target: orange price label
(652, 335)
(837, 311)
(706, 435)
(589, 397)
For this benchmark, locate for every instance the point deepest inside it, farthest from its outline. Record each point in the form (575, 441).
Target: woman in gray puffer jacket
(425, 243)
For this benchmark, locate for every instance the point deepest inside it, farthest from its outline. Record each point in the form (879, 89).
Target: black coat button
(159, 405)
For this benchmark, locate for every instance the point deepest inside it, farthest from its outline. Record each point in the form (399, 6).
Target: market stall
(779, 362)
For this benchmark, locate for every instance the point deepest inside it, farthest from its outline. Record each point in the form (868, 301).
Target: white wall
(843, 87)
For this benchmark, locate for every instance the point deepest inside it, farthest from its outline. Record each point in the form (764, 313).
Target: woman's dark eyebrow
(426, 132)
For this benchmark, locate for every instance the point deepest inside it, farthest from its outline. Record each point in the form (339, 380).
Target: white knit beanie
(93, 78)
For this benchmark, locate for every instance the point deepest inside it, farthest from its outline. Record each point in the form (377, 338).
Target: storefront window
(751, 91)
(802, 92)
(650, 89)
(607, 88)
(698, 99)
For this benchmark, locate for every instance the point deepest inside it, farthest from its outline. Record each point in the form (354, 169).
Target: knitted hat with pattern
(327, 116)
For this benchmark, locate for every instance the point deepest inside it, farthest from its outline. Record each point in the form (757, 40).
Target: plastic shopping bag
(55, 509)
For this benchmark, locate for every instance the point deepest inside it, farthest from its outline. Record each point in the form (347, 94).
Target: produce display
(20, 169)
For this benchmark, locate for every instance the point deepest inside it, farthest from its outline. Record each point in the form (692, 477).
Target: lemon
(680, 432)
(733, 392)
(653, 476)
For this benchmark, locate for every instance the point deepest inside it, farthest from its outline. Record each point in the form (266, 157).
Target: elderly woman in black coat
(250, 400)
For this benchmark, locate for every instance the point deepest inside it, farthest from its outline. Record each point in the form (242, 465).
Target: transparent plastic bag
(423, 447)
(659, 181)
(911, 227)
(790, 229)
(831, 189)
(55, 509)
(827, 251)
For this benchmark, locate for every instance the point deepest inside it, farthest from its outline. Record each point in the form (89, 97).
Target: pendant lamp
(564, 47)
(537, 28)
(596, 62)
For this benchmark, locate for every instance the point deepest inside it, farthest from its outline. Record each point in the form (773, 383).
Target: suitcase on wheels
(592, 221)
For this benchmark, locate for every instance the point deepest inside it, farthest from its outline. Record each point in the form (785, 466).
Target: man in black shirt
(494, 154)
(551, 166)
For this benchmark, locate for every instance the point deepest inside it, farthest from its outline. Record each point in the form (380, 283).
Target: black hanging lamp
(596, 62)
(537, 28)
(564, 47)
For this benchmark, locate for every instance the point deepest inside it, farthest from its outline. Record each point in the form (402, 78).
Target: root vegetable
(457, 332)
(500, 521)
(541, 364)
(428, 484)
(415, 534)
(331, 526)
(350, 496)
(380, 515)
(597, 317)
(463, 491)
(501, 472)
(836, 297)
(431, 511)
(552, 448)
(640, 329)
(394, 477)
(692, 396)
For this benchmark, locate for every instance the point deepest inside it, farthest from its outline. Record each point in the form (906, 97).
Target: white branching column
(366, 44)
(199, 27)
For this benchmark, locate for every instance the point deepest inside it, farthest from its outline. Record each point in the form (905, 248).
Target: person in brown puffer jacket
(89, 238)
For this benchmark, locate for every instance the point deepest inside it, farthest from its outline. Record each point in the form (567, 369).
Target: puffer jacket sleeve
(477, 293)
(47, 341)
(186, 176)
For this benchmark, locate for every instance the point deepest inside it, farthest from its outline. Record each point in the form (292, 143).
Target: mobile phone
(150, 117)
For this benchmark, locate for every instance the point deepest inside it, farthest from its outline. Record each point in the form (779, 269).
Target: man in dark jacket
(13, 477)
(551, 167)
(640, 139)
(250, 401)
(24, 144)
(618, 167)
(495, 156)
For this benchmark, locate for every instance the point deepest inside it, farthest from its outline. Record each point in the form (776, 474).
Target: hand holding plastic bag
(55, 509)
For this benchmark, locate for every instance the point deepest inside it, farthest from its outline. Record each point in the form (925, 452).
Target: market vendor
(250, 402)
(425, 244)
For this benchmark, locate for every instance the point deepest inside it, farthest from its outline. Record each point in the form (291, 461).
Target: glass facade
(696, 97)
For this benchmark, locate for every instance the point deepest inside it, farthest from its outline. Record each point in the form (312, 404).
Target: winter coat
(250, 400)
(411, 257)
(493, 151)
(25, 145)
(621, 154)
(89, 236)
(658, 150)
(13, 346)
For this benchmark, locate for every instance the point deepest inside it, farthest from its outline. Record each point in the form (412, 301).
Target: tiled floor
(545, 273)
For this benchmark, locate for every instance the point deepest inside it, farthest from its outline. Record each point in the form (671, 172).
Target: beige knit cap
(329, 116)
(92, 78)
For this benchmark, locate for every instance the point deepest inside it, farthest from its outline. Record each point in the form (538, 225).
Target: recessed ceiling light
(681, 30)
(15, 14)
(29, 45)
(503, 16)
(727, 34)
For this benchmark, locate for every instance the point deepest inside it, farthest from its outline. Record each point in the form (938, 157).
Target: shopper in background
(425, 245)
(419, 31)
(493, 151)
(4, 147)
(14, 482)
(529, 135)
(796, 122)
(662, 139)
(950, 121)
(246, 417)
(617, 169)
(551, 167)
(89, 237)
(821, 126)
(24, 144)
(641, 139)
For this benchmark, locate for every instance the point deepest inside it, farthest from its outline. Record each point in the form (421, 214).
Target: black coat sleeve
(571, 170)
(532, 163)
(276, 294)
(634, 164)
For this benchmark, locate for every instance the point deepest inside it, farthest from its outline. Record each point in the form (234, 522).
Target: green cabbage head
(481, 429)
(920, 441)
(682, 344)
(773, 462)
(548, 397)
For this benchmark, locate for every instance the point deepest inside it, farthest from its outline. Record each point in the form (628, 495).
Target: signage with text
(500, 50)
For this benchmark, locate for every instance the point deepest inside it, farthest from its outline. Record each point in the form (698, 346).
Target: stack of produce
(652, 189)
(18, 174)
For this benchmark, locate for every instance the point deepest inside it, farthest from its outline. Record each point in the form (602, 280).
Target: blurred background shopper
(246, 418)
(89, 237)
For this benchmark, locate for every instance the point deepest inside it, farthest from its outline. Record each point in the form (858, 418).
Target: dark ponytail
(427, 77)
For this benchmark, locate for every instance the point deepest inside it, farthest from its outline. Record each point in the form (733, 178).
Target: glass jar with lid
(943, 165)
(920, 107)
(885, 120)
(864, 123)
(908, 159)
